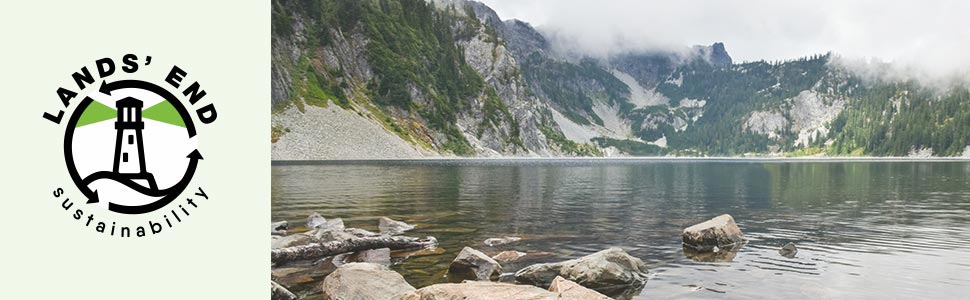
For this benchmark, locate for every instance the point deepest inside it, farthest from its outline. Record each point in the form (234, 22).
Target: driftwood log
(321, 250)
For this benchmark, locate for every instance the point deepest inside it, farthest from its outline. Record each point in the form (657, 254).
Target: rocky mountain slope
(409, 78)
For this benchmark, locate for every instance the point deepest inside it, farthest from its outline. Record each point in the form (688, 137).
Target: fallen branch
(321, 250)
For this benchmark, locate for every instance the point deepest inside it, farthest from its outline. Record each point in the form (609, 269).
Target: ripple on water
(863, 229)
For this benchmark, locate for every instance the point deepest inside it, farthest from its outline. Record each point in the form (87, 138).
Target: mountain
(411, 78)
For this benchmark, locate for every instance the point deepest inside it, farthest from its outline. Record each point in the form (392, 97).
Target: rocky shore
(326, 260)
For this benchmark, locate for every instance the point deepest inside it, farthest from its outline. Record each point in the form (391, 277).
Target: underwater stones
(392, 227)
(492, 242)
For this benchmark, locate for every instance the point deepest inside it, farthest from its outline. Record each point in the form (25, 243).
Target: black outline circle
(174, 191)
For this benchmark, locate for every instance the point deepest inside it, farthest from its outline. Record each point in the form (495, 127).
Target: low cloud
(927, 39)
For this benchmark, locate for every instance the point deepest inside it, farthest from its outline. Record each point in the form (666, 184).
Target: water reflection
(863, 229)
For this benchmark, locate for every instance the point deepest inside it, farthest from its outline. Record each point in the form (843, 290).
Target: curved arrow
(169, 193)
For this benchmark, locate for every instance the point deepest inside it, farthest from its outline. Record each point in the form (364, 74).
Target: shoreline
(735, 159)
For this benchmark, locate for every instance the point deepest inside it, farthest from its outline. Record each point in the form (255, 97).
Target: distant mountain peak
(715, 54)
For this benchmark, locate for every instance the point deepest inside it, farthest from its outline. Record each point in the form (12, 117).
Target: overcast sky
(934, 35)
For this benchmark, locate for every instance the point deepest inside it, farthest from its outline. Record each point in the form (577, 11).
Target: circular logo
(131, 146)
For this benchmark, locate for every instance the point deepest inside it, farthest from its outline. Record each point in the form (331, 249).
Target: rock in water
(392, 227)
(380, 256)
(472, 264)
(292, 240)
(788, 250)
(278, 227)
(508, 256)
(314, 221)
(480, 290)
(566, 289)
(611, 271)
(364, 281)
(720, 232)
(278, 292)
(492, 242)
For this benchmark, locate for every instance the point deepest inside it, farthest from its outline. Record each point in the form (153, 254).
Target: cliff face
(406, 78)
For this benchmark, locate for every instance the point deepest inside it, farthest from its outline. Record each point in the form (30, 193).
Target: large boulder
(480, 290)
(472, 264)
(364, 281)
(566, 289)
(392, 227)
(717, 233)
(611, 271)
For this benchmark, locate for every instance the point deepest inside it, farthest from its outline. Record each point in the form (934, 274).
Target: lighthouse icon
(129, 161)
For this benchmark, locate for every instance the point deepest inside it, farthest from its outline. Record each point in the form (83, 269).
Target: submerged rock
(480, 290)
(380, 256)
(611, 271)
(364, 281)
(315, 220)
(472, 264)
(360, 232)
(566, 289)
(508, 256)
(298, 239)
(328, 235)
(392, 227)
(788, 250)
(715, 254)
(720, 232)
(492, 242)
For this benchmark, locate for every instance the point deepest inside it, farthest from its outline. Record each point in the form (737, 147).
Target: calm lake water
(864, 230)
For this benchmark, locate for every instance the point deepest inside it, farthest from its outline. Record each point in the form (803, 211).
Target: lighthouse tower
(129, 151)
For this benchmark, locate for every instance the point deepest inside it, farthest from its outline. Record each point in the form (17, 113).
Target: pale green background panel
(222, 250)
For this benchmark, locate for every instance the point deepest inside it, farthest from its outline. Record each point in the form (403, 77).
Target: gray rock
(360, 232)
(298, 239)
(279, 228)
(329, 235)
(508, 256)
(472, 264)
(566, 289)
(480, 290)
(788, 250)
(380, 256)
(364, 281)
(611, 271)
(278, 292)
(281, 225)
(392, 227)
(720, 232)
(492, 242)
(315, 220)
(335, 223)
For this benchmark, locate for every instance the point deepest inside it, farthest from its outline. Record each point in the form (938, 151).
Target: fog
(927, 39)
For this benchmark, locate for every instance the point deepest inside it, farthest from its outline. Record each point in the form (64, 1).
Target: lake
(864, 229)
